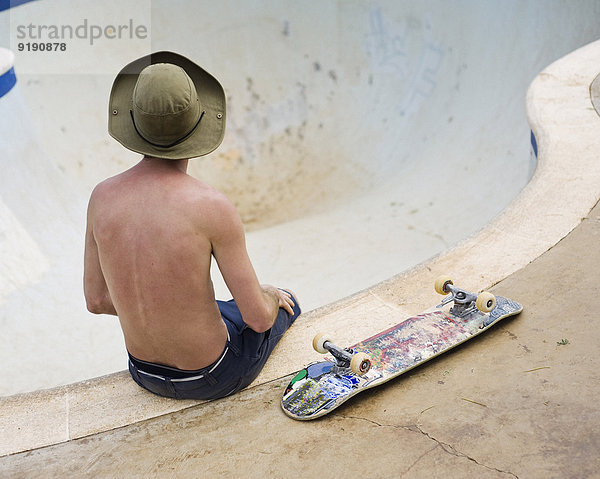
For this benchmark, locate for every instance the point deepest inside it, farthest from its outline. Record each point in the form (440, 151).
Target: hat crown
(165, 104)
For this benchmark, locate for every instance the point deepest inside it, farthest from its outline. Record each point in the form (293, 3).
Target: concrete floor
(519, 401)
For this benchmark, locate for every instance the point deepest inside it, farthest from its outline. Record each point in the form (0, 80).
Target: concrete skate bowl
(369, 147)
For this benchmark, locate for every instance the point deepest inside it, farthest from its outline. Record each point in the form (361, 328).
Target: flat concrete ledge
(52, 416)
(563, 190)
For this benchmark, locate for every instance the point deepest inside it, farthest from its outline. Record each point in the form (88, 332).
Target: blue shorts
(243, 358)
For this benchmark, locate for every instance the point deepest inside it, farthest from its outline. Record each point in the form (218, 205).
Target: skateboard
(322, 386)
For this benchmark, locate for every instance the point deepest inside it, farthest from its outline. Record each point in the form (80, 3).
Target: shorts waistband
(174, 374)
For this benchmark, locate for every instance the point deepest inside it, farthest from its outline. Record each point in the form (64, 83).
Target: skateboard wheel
(485, 302)
(440, 284)
(319, 343)
(360, 363)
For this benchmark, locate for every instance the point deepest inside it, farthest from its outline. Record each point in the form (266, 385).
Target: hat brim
(205, 138)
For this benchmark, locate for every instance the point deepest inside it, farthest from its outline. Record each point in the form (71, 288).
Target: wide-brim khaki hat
(165, 106)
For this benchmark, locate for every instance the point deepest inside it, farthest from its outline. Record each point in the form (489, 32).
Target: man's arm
(258, 304)
(97, 296)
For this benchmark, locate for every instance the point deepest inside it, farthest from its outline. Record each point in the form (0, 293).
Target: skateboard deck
(322, 386)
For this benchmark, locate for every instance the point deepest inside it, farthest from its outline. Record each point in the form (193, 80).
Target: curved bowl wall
(362, 139)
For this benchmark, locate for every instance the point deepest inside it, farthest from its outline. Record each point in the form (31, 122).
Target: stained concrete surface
(519, 401)
(508, 433)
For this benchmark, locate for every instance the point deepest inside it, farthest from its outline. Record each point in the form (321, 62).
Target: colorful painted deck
(323, 386)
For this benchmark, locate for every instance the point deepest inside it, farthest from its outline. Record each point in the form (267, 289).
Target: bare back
(151, 227)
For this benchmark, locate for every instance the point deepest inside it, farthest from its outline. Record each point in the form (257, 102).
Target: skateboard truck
(346, 360)
(465, 302)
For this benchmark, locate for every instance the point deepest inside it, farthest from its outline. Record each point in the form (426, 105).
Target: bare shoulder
(219, 211)
(216, 202)
(178, 194)
(102, 194)
(106, 186)
(99, 193)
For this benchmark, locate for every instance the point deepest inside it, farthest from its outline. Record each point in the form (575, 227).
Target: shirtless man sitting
(152, 231)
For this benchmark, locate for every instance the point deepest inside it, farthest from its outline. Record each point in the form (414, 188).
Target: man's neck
(180, 165)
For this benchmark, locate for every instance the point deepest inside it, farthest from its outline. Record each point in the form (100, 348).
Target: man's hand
(283, 298)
